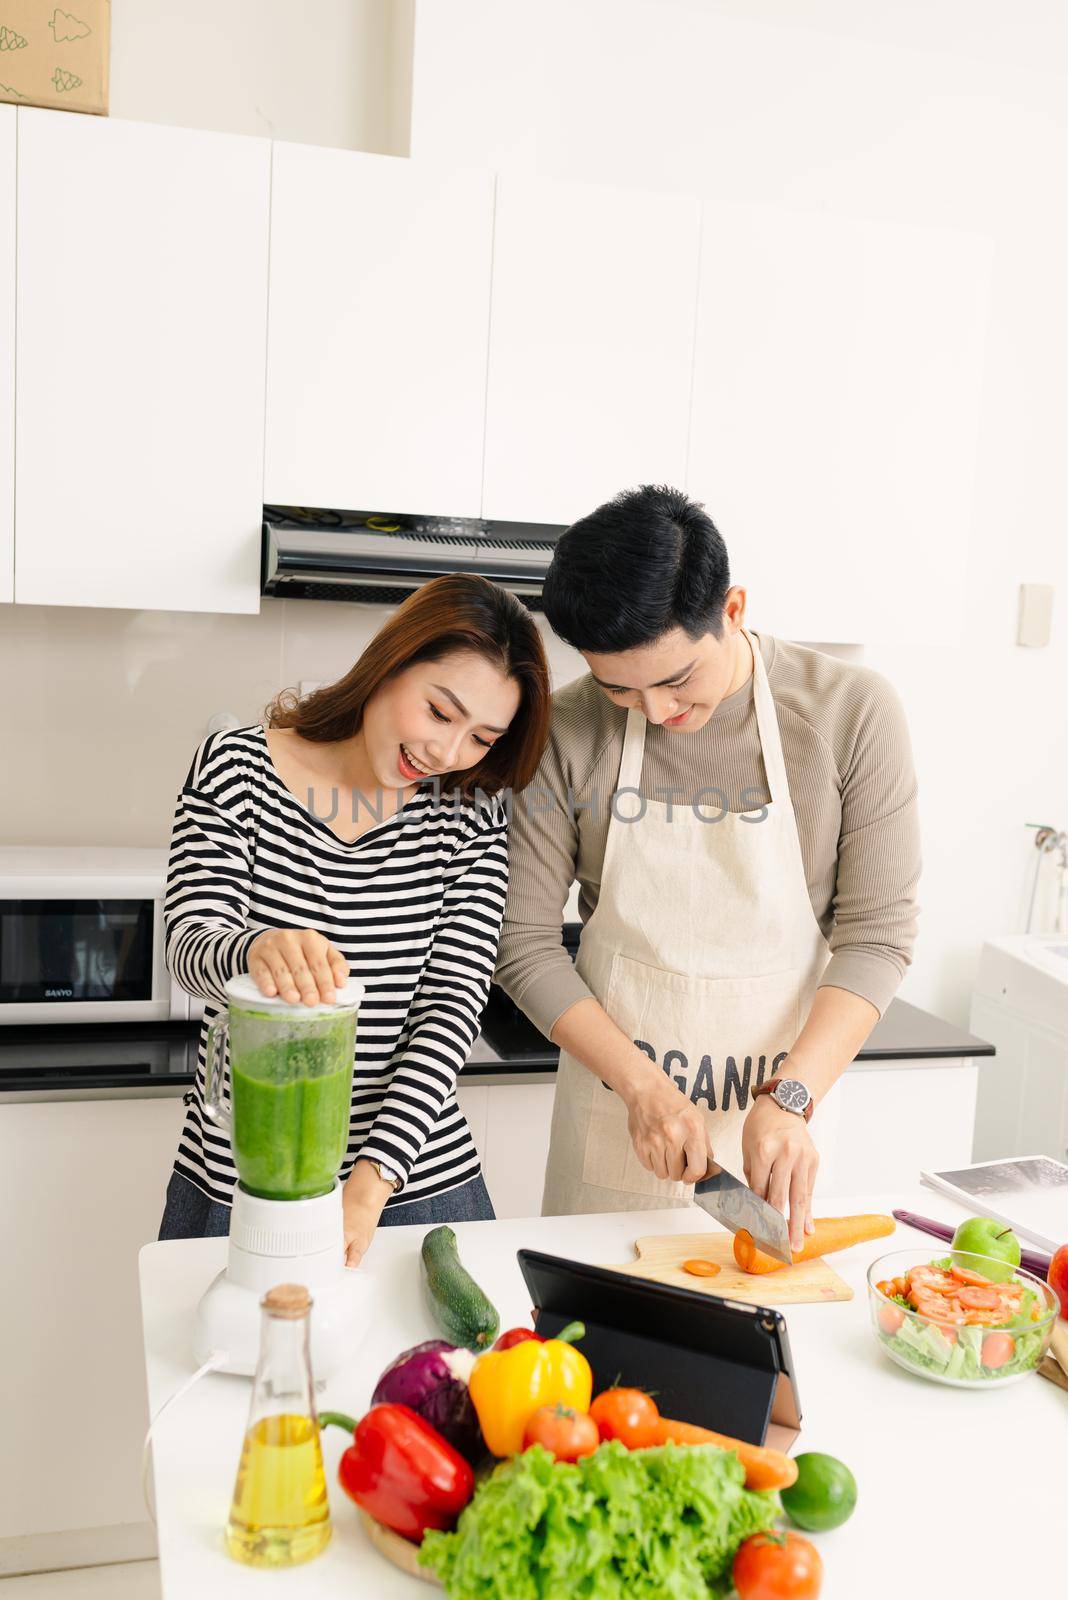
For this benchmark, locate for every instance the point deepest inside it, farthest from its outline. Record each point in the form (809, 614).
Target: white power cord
(218, 1358)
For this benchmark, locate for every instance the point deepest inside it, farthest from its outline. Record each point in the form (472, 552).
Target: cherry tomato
(516, 1336)
(978, 1299)
(629, 1415)
(778, 1566)
(565, 1433)
(997, 1349)
(890, 1319)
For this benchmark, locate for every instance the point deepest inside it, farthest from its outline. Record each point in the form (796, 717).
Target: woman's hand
(297, 964)
(780, 1162)
(363, 1196)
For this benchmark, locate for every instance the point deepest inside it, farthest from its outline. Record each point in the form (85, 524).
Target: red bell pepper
(517, 1336)
(401, 1471)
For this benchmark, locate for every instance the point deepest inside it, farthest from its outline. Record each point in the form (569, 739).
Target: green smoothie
(290, 1099)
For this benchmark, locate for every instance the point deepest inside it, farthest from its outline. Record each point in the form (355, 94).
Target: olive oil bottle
(280, 1514)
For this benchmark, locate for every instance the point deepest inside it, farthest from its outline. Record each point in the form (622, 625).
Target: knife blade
(733, 1203)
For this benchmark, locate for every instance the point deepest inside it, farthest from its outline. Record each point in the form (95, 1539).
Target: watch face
(791, 1094)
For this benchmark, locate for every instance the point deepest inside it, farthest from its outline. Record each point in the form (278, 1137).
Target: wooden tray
(402, 1552)
(660, 1257)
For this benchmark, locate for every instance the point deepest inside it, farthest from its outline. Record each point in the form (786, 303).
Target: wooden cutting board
(660, 1257)
(397, 1549)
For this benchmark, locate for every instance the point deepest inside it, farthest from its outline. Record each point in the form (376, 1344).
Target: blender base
(284, 1241)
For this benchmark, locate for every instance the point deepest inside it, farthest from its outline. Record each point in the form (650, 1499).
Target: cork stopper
(289, 1300)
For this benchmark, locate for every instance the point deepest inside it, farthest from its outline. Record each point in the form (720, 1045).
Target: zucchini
(459, 1307)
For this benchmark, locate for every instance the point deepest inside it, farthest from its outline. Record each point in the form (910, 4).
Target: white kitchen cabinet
(141, 325)
(509, 1123)
(472, 1100)
(518, 1118)
(378, 324)
(900, 1118)
(591, 346)
(835, 423)
(82, 1185)
(8, 116)
(1022, 1103)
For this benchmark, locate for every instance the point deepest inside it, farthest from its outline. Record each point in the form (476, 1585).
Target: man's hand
(363, 1196)
(668, 1133)
(780, 1162)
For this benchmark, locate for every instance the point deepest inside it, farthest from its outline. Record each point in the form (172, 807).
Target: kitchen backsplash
(104, 708)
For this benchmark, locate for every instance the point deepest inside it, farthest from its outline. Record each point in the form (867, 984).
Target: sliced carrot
(764, 1469)
(749, 1258)
(701, 1268)
(831, 1233)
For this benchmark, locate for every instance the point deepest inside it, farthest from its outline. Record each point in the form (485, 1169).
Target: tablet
(718, 1363)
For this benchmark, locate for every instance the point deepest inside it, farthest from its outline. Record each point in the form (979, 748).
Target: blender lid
(246, 991)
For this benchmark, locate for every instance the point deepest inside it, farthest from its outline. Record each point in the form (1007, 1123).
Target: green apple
(983, 1237)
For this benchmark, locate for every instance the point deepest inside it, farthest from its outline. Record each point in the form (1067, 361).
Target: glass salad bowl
(975, 1327)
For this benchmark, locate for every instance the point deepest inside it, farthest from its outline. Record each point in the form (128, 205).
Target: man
(740, 814)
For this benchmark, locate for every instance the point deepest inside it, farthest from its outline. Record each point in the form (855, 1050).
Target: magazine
(1027, 1193)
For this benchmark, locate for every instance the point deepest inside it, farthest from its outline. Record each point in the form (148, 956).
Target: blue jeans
(191, 1214)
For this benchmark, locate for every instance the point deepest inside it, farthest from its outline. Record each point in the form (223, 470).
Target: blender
(288, 1120)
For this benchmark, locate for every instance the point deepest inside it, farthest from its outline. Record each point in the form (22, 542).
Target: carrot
(764, 1469)
(832, 1233)
(700, 1268)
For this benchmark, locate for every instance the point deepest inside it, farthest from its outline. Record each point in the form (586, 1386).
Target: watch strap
(769, 1085)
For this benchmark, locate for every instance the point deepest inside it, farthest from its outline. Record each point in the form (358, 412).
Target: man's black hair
(646, 562)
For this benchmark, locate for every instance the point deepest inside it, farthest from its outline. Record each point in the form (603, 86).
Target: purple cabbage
(432, 1379)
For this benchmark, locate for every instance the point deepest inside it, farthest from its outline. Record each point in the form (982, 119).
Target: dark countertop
(160, 1058)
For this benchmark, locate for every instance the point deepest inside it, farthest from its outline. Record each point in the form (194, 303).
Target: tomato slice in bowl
(998, 1349)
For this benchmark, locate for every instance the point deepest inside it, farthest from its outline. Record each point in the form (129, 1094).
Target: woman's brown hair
(456, 612)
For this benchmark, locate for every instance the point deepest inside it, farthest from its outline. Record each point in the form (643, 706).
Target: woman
(401, 886)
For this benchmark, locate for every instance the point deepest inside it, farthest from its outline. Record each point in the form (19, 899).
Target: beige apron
(704, 949)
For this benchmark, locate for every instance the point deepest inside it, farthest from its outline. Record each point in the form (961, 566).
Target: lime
(823, 1496)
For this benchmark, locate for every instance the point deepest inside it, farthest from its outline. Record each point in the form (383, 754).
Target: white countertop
(960, 1491)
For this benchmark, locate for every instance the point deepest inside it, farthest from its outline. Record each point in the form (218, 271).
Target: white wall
(944, 113)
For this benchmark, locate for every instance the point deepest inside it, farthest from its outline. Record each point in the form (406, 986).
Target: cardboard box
(50, 56)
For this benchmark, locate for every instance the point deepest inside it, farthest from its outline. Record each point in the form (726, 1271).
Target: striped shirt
(414, 905)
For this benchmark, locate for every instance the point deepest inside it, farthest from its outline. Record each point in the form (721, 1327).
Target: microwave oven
(81, 937)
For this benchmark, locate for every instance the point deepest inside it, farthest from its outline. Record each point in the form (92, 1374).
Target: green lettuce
(923, 1346)
(657, 1524)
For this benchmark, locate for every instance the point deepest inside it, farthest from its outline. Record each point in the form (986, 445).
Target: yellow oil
(280, 1513)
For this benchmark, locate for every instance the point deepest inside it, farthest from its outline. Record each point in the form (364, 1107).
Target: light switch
(1036, 614)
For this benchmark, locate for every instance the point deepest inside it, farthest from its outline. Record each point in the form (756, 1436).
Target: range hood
(312, 553)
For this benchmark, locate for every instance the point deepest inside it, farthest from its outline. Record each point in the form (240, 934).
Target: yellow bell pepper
(508, 1386)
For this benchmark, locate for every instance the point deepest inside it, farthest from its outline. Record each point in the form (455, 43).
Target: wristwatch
(386, 1173)
(789, 1093)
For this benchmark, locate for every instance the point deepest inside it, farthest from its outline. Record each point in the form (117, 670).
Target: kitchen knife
(733, 1203)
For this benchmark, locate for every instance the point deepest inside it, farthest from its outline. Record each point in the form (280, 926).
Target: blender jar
(290, 1088)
